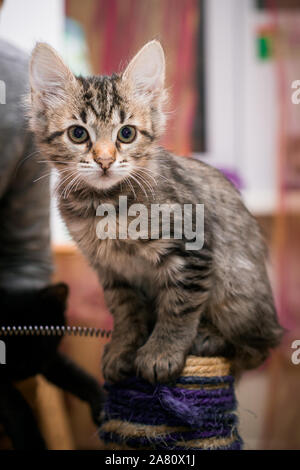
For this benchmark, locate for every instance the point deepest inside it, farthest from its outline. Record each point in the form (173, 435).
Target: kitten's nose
(104, 153)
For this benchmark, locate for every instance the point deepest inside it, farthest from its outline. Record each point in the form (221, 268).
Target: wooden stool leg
(48, 405)
(18, 419)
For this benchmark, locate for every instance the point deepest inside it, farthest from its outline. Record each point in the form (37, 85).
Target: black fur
(27, 356)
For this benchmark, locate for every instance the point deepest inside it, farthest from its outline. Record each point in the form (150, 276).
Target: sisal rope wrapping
(197, 413)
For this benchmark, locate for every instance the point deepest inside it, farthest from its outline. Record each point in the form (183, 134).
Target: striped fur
(166, 301)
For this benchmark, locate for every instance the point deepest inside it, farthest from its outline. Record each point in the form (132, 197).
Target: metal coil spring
(54, 331)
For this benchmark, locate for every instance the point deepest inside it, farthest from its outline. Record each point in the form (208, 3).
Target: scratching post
(198, 412)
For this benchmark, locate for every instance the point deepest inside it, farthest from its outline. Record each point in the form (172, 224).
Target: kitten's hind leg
(18, 420)
(209, 343)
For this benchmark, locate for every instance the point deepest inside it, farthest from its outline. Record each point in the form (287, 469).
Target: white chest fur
(137, 261)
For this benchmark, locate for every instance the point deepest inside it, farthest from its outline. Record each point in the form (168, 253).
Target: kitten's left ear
(146, 71)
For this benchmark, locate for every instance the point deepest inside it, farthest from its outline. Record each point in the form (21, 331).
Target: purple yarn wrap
(204, 413)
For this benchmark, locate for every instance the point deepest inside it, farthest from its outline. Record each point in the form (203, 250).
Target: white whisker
(132, 188)
(148, 170)
(41, 177)
(56, 161)
(67, 189)
(73, 184)
(32, 154)
(145, 181)
(62, 182)
(140, 185)
(145, 173)
(49, 174)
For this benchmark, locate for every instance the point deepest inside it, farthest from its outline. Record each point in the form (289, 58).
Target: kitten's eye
(127, 134)
(78, 134)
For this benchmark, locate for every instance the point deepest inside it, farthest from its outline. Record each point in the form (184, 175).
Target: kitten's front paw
(155, 365)
(117, 362)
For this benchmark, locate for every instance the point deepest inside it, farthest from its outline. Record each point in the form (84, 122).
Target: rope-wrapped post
(197, 413)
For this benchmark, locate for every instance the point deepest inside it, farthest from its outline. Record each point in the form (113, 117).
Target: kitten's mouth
(102, 178)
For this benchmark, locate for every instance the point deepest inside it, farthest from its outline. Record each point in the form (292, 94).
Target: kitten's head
(98, 131)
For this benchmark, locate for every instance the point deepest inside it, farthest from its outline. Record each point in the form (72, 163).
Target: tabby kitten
(102, 134)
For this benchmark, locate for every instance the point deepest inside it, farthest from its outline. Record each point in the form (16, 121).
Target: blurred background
(231, 65)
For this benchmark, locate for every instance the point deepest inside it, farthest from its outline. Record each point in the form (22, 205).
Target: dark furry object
(27, 356)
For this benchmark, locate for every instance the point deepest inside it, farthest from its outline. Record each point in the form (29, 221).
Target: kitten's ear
(50, 78)
(146, 71)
